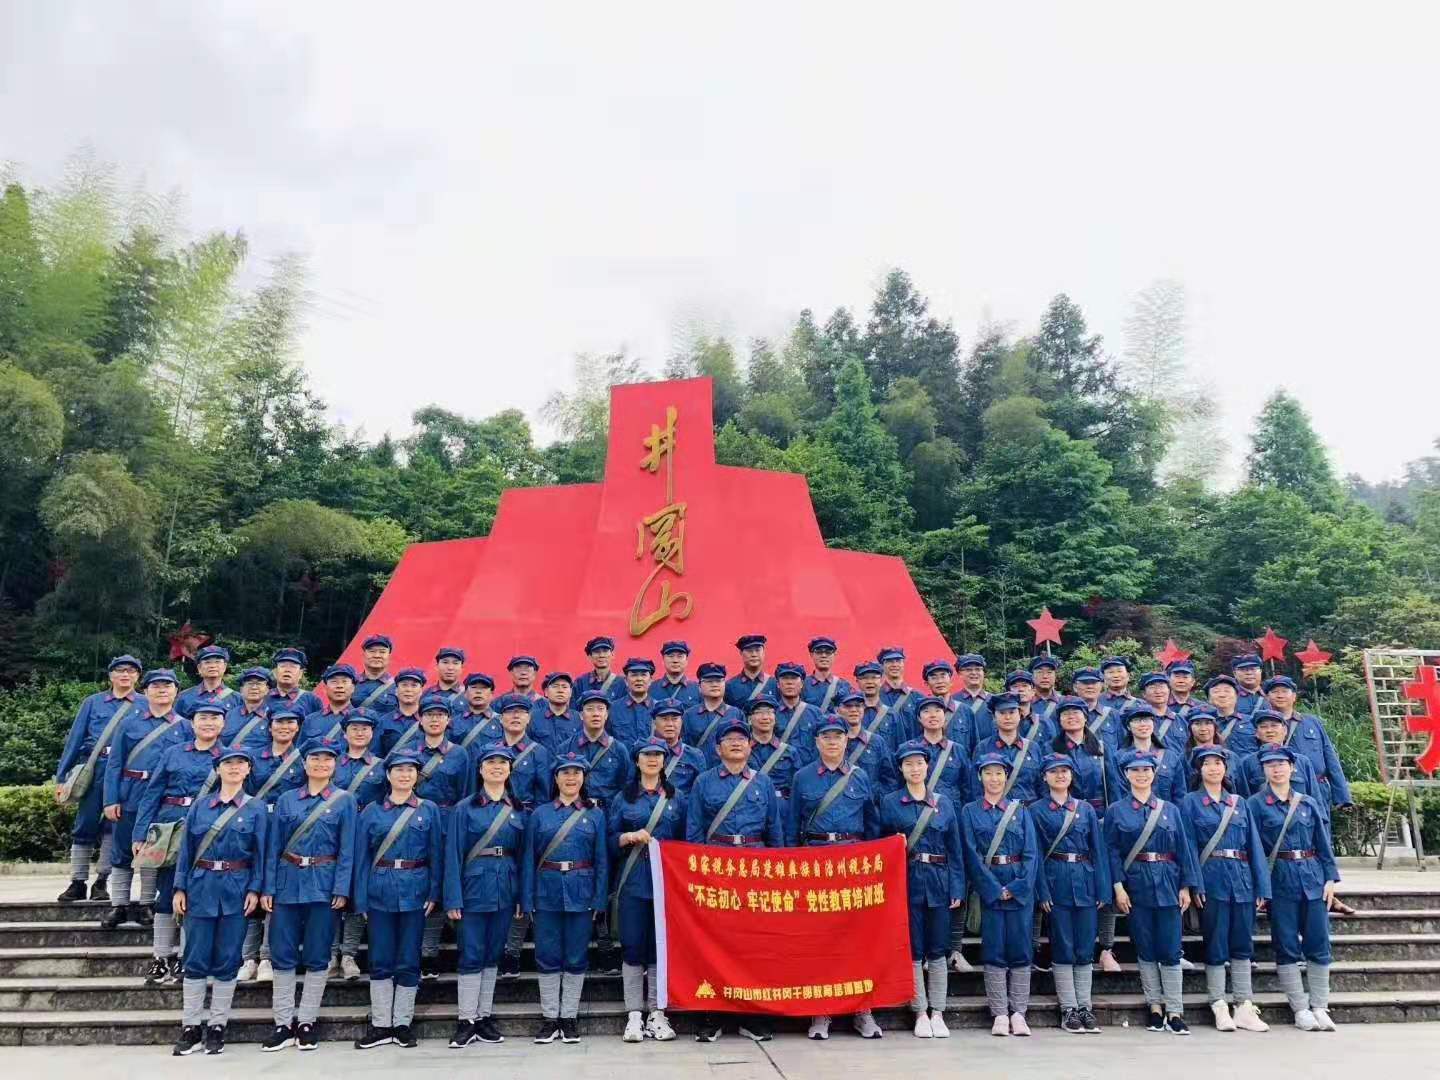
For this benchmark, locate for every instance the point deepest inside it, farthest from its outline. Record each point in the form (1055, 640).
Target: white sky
(484, 191)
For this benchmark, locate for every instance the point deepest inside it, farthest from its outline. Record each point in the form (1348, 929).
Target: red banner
(794, 931)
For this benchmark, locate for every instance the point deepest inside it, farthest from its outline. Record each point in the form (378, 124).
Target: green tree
(903, 341)
(1285, 453)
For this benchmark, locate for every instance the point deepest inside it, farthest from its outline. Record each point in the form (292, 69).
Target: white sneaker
(866, 1027)
(333, 971)
(1322, 1017)
(634, 1029)
(1223, 1022)
(1305, 1021)
(265, 973)
(1001, 1026)
(923, 1028)
(1247, 1017)
(657, 1026)
(937, 1024)
(819, 1027)
(959, 963)
(1108, 961)
(349, 968)
(247, 971)
(1186, 965)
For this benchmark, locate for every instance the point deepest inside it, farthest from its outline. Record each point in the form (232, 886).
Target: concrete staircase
(63, 980)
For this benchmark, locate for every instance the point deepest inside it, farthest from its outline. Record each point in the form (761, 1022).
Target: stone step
(343, 1023)
(99, 993)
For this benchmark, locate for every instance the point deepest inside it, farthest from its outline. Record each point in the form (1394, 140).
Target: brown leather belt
(222, 864)
(177, 800)
(1069, 856)
(1295, 856)
(1230, 853)
(488, 853)
(134, 774)
(832, 837)
(1155, 856)
(566, 867)
(402, 864)
(307, 860)
(926, 857)
(735, 841)
(1006, 860)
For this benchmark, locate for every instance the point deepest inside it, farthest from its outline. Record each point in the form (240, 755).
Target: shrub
(33, 828)
(35, 717)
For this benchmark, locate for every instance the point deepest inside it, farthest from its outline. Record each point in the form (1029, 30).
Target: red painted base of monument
(560, 565)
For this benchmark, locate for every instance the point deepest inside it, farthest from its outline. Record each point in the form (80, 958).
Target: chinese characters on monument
(664, 530)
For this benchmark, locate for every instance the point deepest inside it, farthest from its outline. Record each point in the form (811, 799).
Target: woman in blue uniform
(1001, 857)
(218, 877)
(278, 768)
(447, 775)
(1153, 870)
(1073, 883)
(185, 773)
(564, 886)
(649, 808)
(1222, 830)
(399, 868)
(935, 874)
(1169, 765)
(1303, 876)
(482, 889)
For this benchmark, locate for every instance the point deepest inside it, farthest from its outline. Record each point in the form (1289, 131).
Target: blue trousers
(1005, 936)
(301, 933)
(1228, 927)
(165, 891)
(212, 946)
(120, 853)
(480, 936)
(1156, 933)
(929, 932)
(89, 820)
(562, 941)
(1072, 933)
(637, 930)
(1294, 921)
(394, 945)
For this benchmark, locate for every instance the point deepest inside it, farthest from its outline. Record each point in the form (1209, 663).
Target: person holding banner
(1074, 881)
(1153, 869)
(832, 803)
(186, 772)
(734, 805)
(482, 889)
(1232, 864)
(399, 867)
(564, 886)
(650, 807)
(1303, 876)
(1001, 864)
(219, 873)
(935, 875)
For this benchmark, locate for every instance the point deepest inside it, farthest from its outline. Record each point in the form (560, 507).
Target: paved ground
(1409, 1050)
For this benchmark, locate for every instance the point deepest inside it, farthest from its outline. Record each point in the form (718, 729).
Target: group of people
(285, 826)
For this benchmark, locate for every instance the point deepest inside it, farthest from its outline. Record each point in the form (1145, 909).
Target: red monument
(670, 545)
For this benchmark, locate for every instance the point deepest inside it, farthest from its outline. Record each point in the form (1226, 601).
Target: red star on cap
(1312, 656)
(186, 641)
(1272, 645)
(1047, 628)
(1171, 654)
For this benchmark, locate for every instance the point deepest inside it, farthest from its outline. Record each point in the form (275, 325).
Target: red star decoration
(1426, 688)
(1312, 656)
(186, 641)
(1047, 628)
(1171, 653)
(1272, 645)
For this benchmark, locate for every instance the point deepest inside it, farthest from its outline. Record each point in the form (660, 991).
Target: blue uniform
(956, 779)
(247, 728)
(1075, 875)
(1005, 923)
(795, 724)
(530, 770)
(777, 761)
(1237, 734)
(550, 728)
(302, 701)
(393, 895)
(848, 818)
(684, 693)
(610, 765)
(701, 723)
(377, 695)
(197, 695)
(363, 777)
(1154, 886)
(824, 694)
(882, 723)
(1172, 732)
(1247, 701)
(631, 721)
(215, 887)
(305, 874)
(1088, 778)
(183, 774)
(1025, 780)
(325, 723)
(91, 719)
(683, 766)
(399, 728)
(635, 895)
(1116, 703)
(1308, 738)
(1250, 780)
(447, 782)
(287, 771)
(127, 772)
(1235, 875)
(754, 820)
(486, 888)
(1299, 921)
(743, 687)
(1171, 776)
(874, 756)
(1105, 723)
(473, 730)
(568, 886)
(612, 685)
(935, 871)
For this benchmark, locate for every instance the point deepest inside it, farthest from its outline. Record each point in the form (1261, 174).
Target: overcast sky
(485, 190)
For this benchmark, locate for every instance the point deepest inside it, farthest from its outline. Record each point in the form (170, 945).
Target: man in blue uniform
(864, 749)
(682, 763)
(1182, 687)
(894, 690)
(971, 669)
(1249, 674)
(247, 725)
(823, 687)
(1170, 731)
(211, 663)
(673, 685)
(1102, 720)
(449, 675)
(702, 720)
(87, 748)
(600, 651)
(552, 719)
(1233, 728)
(288, 667)
(630, 717)
(795, 718)
(1044, 668)
(523, 669)
(753, 680)
(328, 721)
(770, 755)
(1116, 672)
(360, 772)
(476, 724)
(401, 726)
(610, 764)
(375, 691)
(1307, 735)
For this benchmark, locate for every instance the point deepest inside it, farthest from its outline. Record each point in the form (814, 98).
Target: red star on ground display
(1313, 657)
(186, 641)
(1171, 654)
(1047, 628)
(1426, 688)
(1272, 645)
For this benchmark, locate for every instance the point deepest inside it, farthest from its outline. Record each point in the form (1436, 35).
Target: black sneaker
(100, 890)
(191, 1039)
(401, 1035)
(306, 1037)
(754, 1028)
(569, 1030)
(173, 971)
(509, 965)
(429, 967)
(1042, 959)
(214, 1040)
(487, 1031)
(280, 1038)
(1088, 1021)
(1072, 1022)
(158, 973)
(114, 918)
(708, 1028)
(1176, 1025)
(140, 913)
(1156, 1021)
(374, 1037)
(464, 1035)
(548, 1031)
(76, 891)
